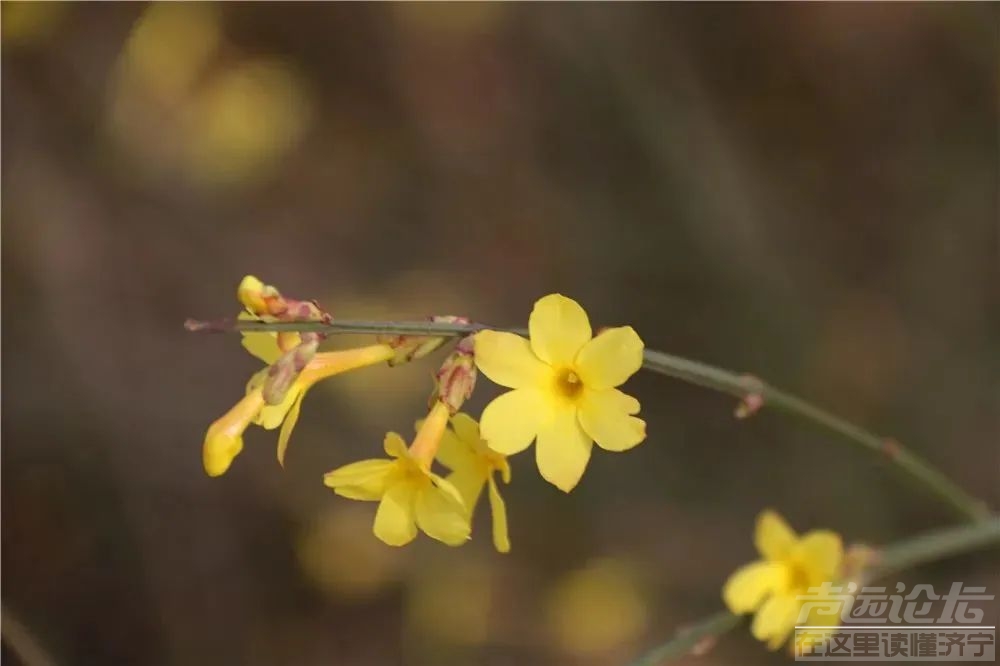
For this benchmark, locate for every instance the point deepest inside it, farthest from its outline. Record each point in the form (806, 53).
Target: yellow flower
(268, 346)
(224, 439)
(790, 566)
(472, 466)
(410, 496)
(564, 389)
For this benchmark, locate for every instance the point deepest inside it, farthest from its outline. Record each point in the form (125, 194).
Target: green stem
(705, 632)
(936, 545)
(921, 549)
(744, 387)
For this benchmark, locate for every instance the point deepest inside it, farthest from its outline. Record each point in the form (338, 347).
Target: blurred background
(804, 192)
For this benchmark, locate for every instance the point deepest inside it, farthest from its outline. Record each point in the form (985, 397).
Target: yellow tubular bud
(224, 439)
(425, 444)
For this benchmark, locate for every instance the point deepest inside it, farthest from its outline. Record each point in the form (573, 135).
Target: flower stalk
(751, 390)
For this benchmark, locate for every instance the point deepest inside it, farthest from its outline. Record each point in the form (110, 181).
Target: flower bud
(456, 379)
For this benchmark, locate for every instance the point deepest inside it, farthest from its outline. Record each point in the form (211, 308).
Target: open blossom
(410, 496)
(224, 439)
(789, 566)
(564, 389)
(474, 465)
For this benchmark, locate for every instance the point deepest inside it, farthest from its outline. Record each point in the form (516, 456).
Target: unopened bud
(456, 379)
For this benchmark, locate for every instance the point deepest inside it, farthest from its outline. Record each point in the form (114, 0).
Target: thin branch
(751, 390)
(689, 639)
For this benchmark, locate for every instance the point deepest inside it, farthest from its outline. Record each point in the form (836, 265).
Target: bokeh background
(805, 192)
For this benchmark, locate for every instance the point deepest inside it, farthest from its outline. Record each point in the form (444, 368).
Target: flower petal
(363, 480)
(466, 428)
(395, 523)
(271, 416)
(603, 416)
(749, 585)
(563, 449)
(773, 537)
(394, 445)
(261, 344)
(498, 511)
(559, 327)
(610, 358)
(287, 427)
(512, 420)
(453, 453)
(776, 619)
(821, 553)
(441, 517)
(469, 484)
(506, 359)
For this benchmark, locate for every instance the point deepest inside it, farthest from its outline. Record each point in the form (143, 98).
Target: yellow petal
(775, 620)
(394, 445)
(272, 416)
(563, 449)
(250, 293)
(604, 418)
(820, 553)
(750, 584)
(447, 488)
(610, 358)
(506, 359)
(625, 402)
(287, 427)
(466, 428)
(363, 480)
(773, 537)
(512, 420)
(469, 484)
(441, 517)
(498, 511)
(559, 327)
(395, 523)
(453, 453)
(261, 344)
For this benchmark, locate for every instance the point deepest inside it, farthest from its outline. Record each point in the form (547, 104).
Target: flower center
(568, 383)
(798, 578)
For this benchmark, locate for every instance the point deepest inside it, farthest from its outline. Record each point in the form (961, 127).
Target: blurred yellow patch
(596, 609)
(340, 564)
(450, 601)
(26, 23)
(183, 101)
(248, 117)
(170, 45)
(448, 20)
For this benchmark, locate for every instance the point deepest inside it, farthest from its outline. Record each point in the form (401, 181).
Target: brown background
(806, 192)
